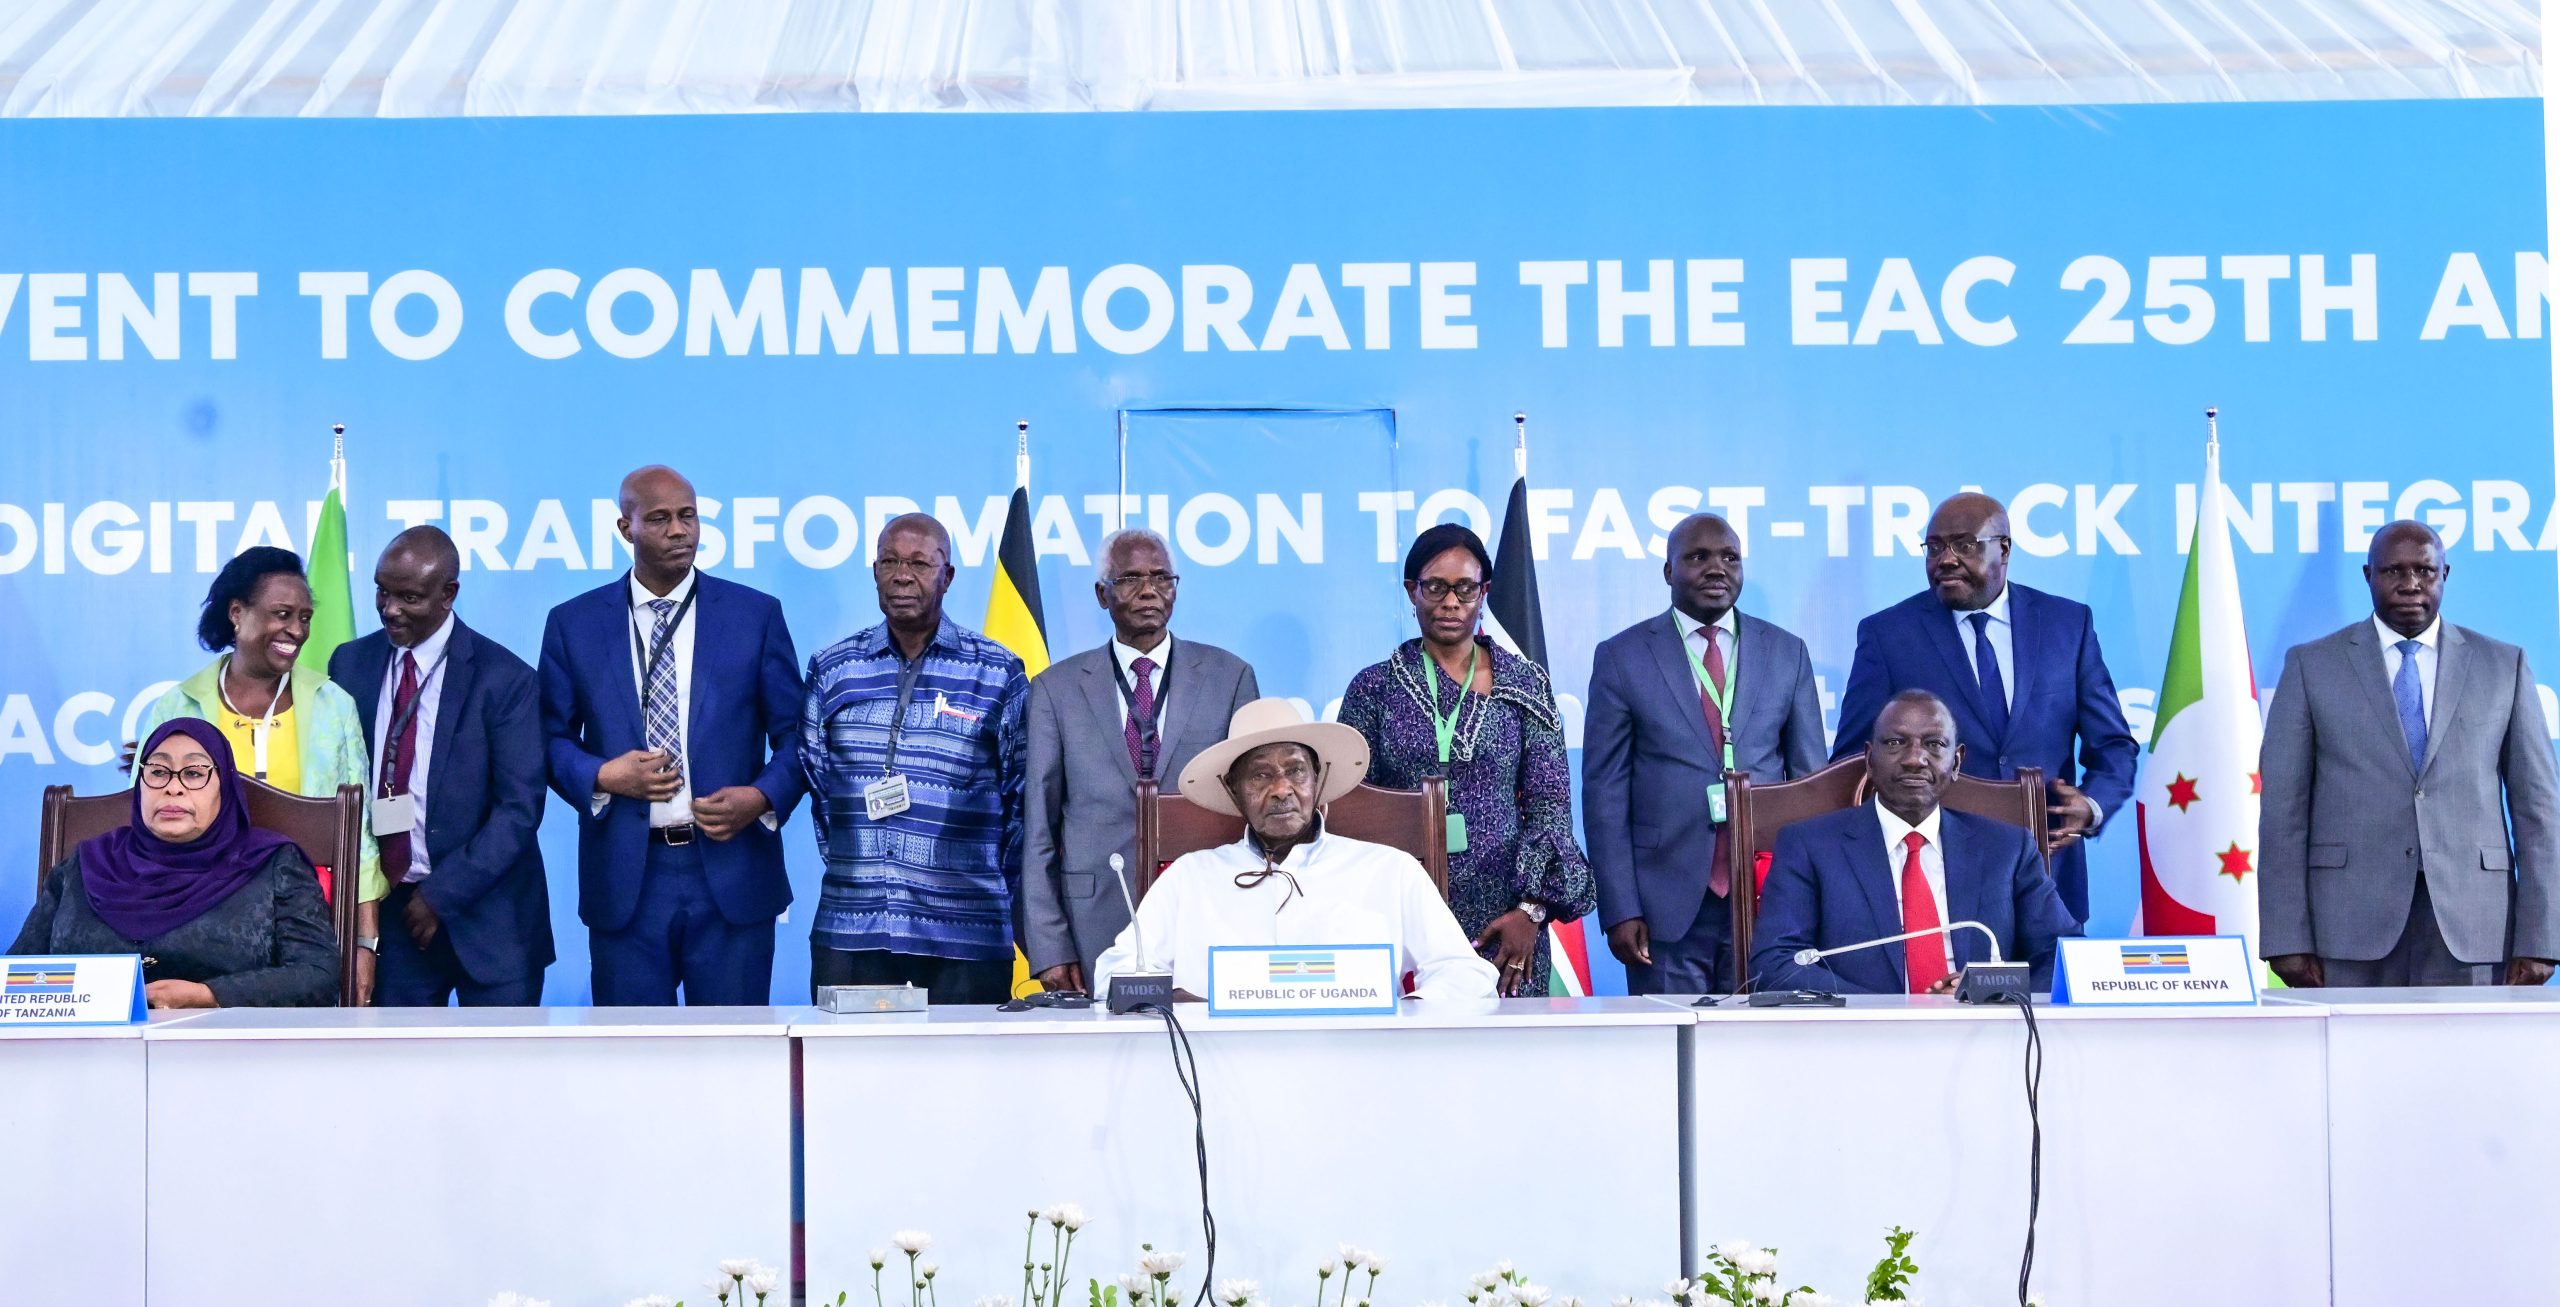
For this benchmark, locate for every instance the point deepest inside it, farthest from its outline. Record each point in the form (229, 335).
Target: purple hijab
(143, 886)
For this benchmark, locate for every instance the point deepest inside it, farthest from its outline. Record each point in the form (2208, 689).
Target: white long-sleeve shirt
(1348, 892)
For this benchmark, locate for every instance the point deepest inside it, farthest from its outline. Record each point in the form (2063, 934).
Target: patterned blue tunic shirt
(938, 879)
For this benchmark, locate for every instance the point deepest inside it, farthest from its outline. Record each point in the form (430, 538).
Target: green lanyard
(1719, 695)
(1446, 728)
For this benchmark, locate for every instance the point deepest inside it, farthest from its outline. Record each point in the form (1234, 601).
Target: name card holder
(2162, 971)
(1302, 980)
(71, 990)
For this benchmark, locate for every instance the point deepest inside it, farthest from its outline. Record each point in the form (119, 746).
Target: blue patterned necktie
(1986, 668)
(2413, 704)
(661, 697)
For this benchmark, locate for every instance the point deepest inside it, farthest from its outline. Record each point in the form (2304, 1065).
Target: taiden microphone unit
(1995, 981)
(1136, 989)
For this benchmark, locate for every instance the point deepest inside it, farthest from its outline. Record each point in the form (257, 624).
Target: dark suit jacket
(2347, 825)
(1078, 807)
(1646, 765)
(484, 799)
(742, 722)
(1832, 884)
(2063, 714)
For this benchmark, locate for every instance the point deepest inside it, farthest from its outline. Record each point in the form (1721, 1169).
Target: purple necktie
(1142, 705)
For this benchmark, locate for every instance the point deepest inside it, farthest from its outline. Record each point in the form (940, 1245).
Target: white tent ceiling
(403, 58)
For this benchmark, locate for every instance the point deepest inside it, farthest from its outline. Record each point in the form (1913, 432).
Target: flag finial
(1520, 443)
(1022, 452)
(338, 440)
(2212, 428)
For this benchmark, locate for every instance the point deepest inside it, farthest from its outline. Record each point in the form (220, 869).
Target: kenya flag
(2197, 807)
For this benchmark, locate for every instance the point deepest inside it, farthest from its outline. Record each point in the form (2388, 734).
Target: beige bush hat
(1338, 748)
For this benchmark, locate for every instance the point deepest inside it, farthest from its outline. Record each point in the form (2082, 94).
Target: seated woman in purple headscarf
(224, 914)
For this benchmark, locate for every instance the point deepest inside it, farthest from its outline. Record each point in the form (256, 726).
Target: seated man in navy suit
(1898, 863)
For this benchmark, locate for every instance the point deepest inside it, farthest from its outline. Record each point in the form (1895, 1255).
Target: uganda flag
(1014, 619)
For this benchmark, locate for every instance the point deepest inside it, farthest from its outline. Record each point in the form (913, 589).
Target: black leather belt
(676, 835)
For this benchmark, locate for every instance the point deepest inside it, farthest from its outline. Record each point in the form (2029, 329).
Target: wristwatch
(369, 943)
(1536, 912)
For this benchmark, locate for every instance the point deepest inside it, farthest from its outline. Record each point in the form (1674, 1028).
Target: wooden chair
(1759, 812)
(1416, 821)
(329, 831)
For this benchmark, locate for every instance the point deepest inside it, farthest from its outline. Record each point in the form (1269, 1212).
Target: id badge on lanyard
(887, 796)
(1719, 807)
(265, 727)
(1445, 731)
(397, 814)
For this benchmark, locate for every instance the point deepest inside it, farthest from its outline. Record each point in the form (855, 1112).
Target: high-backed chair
(1416, 821)
(329, 831)
(1759, 811)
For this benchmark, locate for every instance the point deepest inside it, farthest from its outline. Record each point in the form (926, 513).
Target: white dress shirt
(1158, 656)
(1933, 868)
(1355, 892)
(677, 811)
(2426, 656)
(1998, 633)
(430, 654)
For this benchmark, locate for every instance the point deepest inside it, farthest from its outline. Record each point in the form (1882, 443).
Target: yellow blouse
(284, 747)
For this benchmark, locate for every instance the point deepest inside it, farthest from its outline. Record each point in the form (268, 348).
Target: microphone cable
(1186, 1071)
(2035, 1142)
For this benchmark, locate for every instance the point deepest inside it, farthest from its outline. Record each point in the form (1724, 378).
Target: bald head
(1967, 551)
(658, 518)
(414, 584)
(926, 524)
(2404, 530)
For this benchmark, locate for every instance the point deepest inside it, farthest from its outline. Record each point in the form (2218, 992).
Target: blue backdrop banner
(1287, 341)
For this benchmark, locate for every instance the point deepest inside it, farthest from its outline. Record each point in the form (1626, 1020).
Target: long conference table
(2352, 1146)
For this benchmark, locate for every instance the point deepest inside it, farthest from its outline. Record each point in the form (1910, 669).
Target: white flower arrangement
(1739, 1273)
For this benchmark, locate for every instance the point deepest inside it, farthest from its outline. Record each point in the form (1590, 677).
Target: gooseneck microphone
(1132, 990)
(1995, 981)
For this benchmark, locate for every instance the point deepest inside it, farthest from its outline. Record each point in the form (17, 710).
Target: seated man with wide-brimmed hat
(1289, 881)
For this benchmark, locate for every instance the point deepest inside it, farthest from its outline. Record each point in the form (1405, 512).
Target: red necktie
(1142, 704)
(1719, 876)
(395, 772)
(1924, 956)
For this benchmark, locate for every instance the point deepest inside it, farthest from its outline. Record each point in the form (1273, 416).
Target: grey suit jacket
(2346, 825)
(1078, 808)
(1646, 765)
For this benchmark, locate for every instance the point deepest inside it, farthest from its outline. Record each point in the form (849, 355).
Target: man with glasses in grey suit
(1677, 700)
(1142, 705)
(2400, 753)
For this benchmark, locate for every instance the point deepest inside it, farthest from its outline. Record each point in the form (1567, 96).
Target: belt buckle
(676, 836)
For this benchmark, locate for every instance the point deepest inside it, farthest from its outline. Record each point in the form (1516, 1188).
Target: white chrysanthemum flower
(1160, 1265)
(1757, 1262)
(879, 1258)
(1133, 1286)
(1375, 1263)
(761, 1281)
(1488, 1281)
(1767, 1291)
(1502, 1270)
(1808, 1298)
(1529, 1295)
(736, 1268)
(1734, 1250)
(928, 1269)
(1236, 1293)
(653, 1300)
(911, 1242)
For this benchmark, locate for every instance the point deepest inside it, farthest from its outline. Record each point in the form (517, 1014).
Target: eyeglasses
(1964, 547)
(1262, 780)
(2422, 573)
(1436, 589)
(1129, 585)
(157, 777)
(891, 568)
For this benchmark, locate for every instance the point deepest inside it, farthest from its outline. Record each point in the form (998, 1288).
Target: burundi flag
(2197, 809)
(333, 609)
(1014, 619)
(1515, 622)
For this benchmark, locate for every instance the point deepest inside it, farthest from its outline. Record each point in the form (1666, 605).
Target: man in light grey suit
(1142, 704)
(2399, 754)
(1655, 747)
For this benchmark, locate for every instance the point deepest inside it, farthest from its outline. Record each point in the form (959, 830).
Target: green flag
(333, 610)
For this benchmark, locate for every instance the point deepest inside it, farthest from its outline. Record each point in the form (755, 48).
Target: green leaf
(1892, 1274)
